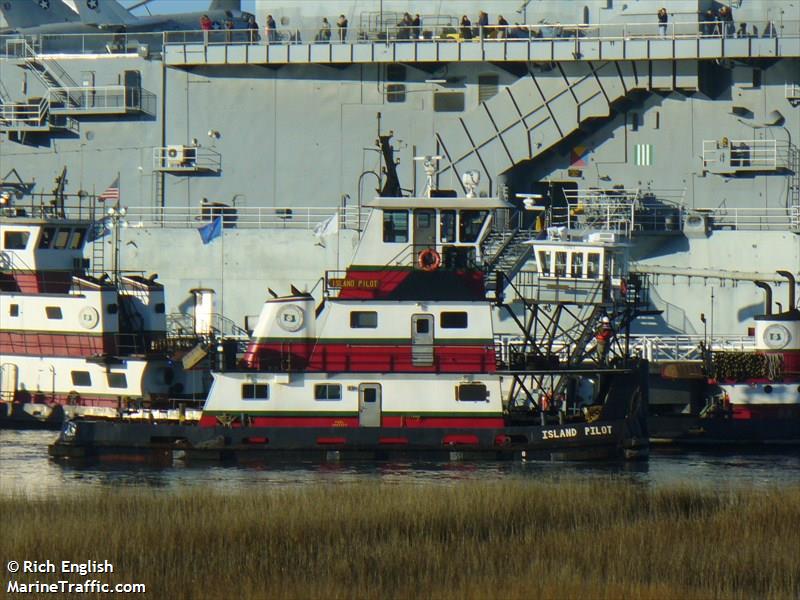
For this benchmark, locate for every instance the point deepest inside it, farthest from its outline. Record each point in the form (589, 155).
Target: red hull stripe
(56, 344)
(453, 358)
(411, 422)
(775, 411)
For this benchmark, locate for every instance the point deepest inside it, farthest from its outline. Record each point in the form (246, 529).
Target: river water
(25, 469)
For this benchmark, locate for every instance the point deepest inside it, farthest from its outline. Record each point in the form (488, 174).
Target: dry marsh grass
(509, 539)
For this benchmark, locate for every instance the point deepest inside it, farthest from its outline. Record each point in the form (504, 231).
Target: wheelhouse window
(593, 265)
(561, 264)
(16, 240)
(76, 241)
(544, 263)
(255, 391)
(363, 319)
(48, 233)
(471, 392)
(471, 225)
(453, 320)
(327, 391)
(577, 265)
(395, 226)
(117, 380)
(81, 378)
(62, 238)
(53, 312)
(447, 226)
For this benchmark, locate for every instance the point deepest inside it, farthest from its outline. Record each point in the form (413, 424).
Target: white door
(422, 340)
(369, 405)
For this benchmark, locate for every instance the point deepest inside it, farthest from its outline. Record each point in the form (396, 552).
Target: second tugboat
(399, 355)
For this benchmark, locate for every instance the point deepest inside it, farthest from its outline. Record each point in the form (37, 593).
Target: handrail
(241, 217)
(104, 43)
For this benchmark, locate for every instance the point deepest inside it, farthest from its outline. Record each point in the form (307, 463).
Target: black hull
(158, 442)
(719, 431)
(19, 419)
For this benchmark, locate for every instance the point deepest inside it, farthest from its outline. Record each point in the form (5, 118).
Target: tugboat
(397, 355)
(752, 397)
(72, 343)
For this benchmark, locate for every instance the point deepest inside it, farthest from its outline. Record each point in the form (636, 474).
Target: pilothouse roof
(399, 203)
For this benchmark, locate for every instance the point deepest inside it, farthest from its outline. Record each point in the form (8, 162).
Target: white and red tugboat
(753, 397)
(398, 355)
(73, 344)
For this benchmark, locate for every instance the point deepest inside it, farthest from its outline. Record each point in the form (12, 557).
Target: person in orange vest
(603, 339)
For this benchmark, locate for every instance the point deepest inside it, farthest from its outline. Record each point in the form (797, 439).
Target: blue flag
(98, 229)
(211, 231)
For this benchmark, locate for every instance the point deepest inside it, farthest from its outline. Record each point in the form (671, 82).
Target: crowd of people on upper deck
(711, 23)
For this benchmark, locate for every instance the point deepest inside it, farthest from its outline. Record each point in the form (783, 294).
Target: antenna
(429, 164)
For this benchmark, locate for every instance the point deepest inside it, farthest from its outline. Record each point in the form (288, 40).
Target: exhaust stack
(768, 291)
(792, 284)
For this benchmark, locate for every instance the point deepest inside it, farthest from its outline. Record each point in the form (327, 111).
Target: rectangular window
(13, 310)
(363, 319)
(453, 320)
(62, 238)
(160, 308)
(561, 264)
(395, 226)
(471, 225)
(47, 237)
(112, 309)
(395, 92)
(471, 392)
(255, 391)
(53, 312)
(328, 391)
(593, 266)
(544, 263)
(447, 226)
(81, 378)
(76, 241)
(16, 240)
(423, 326)
(117, 380)
(448, 101)
(577, 265)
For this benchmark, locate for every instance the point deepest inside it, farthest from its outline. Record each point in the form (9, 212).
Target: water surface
(25, 468)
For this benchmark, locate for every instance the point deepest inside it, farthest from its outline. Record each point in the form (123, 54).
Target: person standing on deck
(269, 29)
(502, 29)
(603, 339)
(662, 22)
(342, 25)
(465, 28)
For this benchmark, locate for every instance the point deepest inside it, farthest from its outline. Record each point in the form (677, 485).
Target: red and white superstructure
(766, 384)
(90, 345)
(394, 341)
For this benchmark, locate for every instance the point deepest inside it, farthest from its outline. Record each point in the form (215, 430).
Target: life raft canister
(429, 260)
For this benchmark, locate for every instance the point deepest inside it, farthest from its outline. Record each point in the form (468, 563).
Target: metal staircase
(794, 187)
(541, 109)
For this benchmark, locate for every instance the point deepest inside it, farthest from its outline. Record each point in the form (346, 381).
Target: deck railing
(437, 30)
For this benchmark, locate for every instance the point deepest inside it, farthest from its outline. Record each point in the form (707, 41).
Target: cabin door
(422, 340)
(424, 230)
(369, 405)
(8, 382)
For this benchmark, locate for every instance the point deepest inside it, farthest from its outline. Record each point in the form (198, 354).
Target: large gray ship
(678, 131)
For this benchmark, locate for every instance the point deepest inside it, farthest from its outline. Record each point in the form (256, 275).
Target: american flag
(112, 191)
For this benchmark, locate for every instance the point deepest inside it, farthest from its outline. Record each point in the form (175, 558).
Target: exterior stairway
(538, 111)
(506, 251)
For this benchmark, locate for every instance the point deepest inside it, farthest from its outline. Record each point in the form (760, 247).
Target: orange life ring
(429, 260)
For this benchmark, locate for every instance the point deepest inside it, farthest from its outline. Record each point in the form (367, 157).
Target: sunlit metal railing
(19, 116)
(432, 30)
(661, 348)
(246, 217)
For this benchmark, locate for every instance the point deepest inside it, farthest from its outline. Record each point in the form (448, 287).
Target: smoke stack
(768, 291)
(792, 284)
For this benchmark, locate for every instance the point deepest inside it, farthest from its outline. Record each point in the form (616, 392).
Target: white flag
(327, 227)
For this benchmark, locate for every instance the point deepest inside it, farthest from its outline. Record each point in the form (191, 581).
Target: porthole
(767, 389)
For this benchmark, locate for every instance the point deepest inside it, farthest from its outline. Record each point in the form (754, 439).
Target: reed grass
(598, 539)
